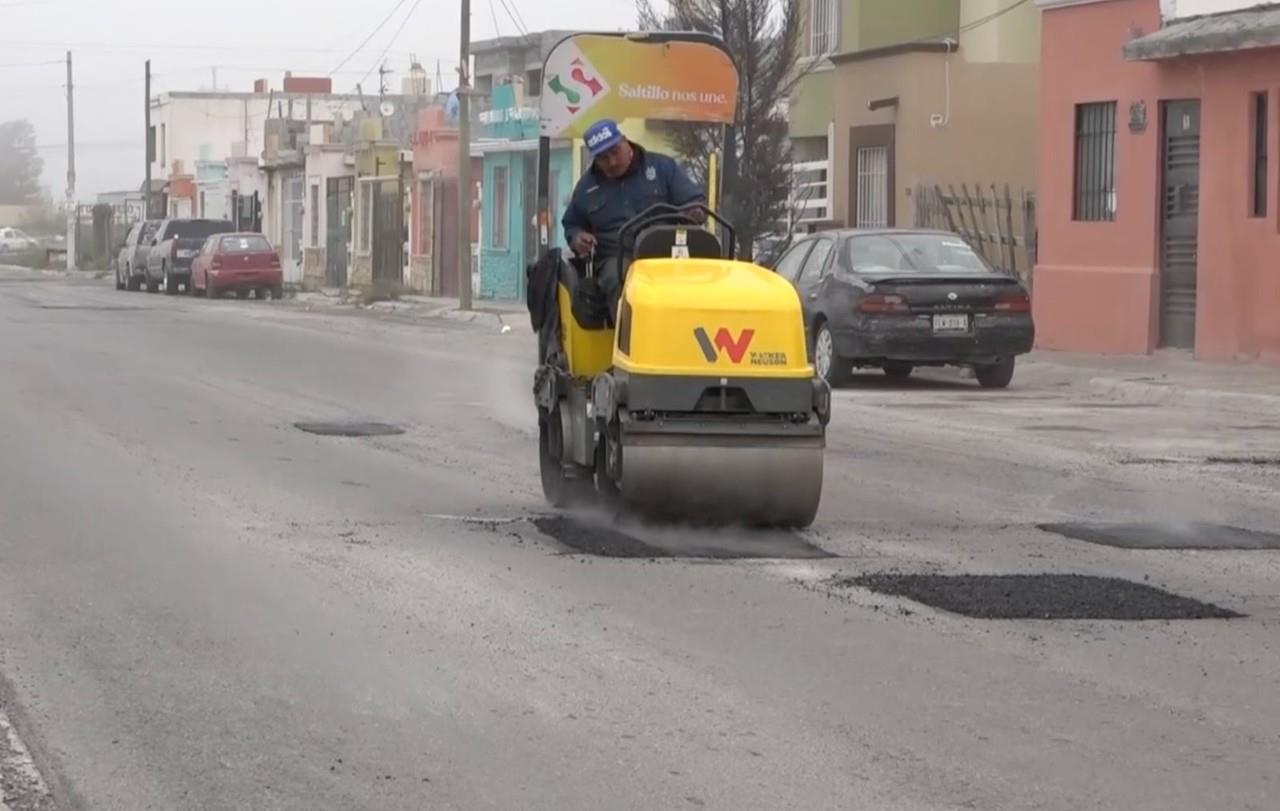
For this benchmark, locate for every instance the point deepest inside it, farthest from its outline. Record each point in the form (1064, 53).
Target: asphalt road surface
(203, 607)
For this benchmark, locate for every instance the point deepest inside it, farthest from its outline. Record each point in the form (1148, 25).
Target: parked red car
(239, 262)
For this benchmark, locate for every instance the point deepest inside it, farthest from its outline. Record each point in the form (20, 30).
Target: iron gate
(388, 234)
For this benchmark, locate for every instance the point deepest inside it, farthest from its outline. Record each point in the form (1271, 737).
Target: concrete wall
(1178, 9)
(1097, 284)
(207, 126)
(1012, 38)
(989, 138)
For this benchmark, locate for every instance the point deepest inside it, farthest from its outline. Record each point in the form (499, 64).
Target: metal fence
(999, 224)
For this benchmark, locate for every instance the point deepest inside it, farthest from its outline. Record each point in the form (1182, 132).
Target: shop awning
(1218, 33)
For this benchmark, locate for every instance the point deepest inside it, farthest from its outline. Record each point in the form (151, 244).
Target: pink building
(435, 203)
(1159, 222)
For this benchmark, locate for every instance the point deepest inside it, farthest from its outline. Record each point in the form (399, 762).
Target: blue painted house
(508, 212)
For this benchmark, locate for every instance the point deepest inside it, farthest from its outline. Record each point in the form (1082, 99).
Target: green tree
(20, 164)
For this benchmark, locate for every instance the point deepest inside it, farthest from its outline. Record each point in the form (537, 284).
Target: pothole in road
(1246, 460)
(601, 539)
(1165, 536)
(349, 429)
(1040, 597)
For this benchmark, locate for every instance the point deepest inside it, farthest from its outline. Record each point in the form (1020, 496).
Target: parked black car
(175, 244)
(901, 298)
(131, 262)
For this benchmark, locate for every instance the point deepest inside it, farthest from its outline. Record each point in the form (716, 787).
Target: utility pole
(73, 214)
(149, 149)
(464, 162)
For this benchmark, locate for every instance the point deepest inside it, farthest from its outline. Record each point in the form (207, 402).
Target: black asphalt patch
(1165, 536)
(1040, 597)
(597, 537)
(349, 429)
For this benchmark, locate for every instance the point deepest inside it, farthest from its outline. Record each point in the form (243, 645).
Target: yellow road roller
(694, 400)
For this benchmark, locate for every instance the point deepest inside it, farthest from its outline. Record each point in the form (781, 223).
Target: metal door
(1179, 231)
(337, 240)
(444, 255)
(388, 231)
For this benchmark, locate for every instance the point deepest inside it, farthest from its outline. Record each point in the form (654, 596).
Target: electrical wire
(392, 41)
(372, 34)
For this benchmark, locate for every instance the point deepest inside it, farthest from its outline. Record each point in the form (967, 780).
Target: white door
(291, 244)
(873, 187)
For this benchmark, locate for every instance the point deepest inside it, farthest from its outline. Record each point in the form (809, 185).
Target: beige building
(956, 110)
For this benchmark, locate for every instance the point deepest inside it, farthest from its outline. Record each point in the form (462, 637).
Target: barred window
(1095, 169)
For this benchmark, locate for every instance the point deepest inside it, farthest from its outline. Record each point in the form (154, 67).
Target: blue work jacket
(601, 205)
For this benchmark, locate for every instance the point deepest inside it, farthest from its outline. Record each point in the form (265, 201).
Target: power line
(516, 19)
(372, 34)
(98, 45)
(394, 37)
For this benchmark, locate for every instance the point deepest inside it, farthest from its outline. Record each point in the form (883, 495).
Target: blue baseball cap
(602, 136)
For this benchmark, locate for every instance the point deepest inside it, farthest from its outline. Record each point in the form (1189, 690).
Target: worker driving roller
(624, 180)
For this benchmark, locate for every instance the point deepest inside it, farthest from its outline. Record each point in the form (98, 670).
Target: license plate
(186, 254)
(950, 323)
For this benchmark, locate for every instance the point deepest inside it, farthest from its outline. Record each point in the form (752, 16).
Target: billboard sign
(665, 77)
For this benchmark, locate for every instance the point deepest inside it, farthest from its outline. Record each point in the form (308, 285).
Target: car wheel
(277, 292)
(169, 283)
(994, 375)
(826, 361)
(132, 283)
(152, 286)
(898, 371)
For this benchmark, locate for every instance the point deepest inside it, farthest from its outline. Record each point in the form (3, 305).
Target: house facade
(832, 27)
(1158, 207)
(951, 112)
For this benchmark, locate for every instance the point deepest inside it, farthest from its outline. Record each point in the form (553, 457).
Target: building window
(533, 83)
(822, 27)
(204, 212)
(1095, 192)
(1260, 146)
(500, 219)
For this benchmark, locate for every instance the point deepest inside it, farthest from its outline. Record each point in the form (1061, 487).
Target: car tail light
(216, 264)
(275, 260)
(883, 303)
(173, 249)
(1014, 302)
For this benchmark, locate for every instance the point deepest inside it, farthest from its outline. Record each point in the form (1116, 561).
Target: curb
(1140, 393)
(419, 310)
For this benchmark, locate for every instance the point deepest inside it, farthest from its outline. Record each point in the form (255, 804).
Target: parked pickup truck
(174, 246)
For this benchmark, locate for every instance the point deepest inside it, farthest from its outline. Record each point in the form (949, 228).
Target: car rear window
(197, 229)
(912, 253)
(249, 244)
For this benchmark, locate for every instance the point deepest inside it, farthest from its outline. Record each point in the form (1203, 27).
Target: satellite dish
(387, 108)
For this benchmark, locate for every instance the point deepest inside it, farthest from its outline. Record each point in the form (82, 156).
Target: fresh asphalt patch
(1165, 536)
(601, 538)
(349, 429)
(1039, 597)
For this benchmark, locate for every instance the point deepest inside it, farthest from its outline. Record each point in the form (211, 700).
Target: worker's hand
(583, 243)
(698, 215)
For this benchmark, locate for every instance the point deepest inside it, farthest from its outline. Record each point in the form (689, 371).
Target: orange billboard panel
(662, 77)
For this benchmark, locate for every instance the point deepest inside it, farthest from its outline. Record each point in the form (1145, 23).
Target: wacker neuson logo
(735, 348)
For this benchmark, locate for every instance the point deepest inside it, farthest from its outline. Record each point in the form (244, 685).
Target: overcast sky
(244, 39)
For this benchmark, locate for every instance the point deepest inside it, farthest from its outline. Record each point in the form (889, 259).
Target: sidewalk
(502, 315)
(1169, 378)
